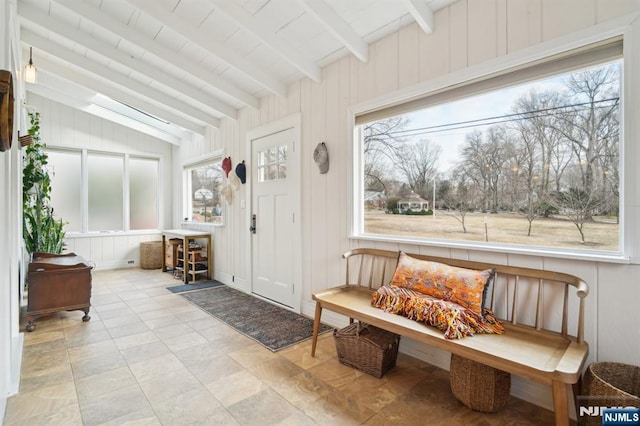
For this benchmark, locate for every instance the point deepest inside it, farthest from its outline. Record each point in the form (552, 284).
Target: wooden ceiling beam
(115, 77)
(279, 45)
(102, 20)
(41, 19)
(219, 50)
(422, 14)
(333, 23)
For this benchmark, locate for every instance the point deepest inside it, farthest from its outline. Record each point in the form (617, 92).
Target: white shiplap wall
(466, 33)
(66, 127)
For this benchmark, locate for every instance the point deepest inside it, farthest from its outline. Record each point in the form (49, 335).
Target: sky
(472, 108)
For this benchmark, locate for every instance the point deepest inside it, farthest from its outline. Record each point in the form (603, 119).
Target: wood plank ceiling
(171, 67)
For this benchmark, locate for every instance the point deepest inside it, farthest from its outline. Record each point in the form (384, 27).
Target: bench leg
(561, 403)
(316, 328)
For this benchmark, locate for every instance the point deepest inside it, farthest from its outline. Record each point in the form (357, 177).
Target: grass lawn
(501, 228)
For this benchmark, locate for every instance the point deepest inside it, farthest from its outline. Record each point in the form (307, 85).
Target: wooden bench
(537, 307)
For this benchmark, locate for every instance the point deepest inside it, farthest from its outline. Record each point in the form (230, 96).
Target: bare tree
(591, 124)
(578, 206)
(459, 199)
(417, 164)
(381, 140)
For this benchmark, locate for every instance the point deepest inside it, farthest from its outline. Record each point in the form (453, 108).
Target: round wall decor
(6, 109)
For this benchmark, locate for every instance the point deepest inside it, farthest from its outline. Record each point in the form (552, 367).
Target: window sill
(559, 253)
(186, 225)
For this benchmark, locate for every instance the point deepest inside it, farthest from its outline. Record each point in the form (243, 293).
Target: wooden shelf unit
(198, 261)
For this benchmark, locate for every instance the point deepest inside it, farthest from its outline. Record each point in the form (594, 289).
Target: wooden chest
(57, 282)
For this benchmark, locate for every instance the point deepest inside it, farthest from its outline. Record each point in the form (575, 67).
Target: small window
(272, 164)
(204, 183)
(533, 163)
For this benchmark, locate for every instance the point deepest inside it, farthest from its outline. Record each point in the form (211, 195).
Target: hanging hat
(227, 193)
(234, 181)
(241, 171)
(226, 165)
(321, 157)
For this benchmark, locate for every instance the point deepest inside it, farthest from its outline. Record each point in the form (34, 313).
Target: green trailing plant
(41, 231)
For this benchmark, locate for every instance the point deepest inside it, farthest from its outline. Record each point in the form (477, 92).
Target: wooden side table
(188, 236)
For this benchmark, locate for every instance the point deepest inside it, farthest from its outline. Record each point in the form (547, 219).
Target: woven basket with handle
(367, 348)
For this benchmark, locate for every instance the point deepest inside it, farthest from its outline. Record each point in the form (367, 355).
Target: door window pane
(272, 164)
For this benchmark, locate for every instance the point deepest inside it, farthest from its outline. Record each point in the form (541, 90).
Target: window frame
(84, 191)
(215, 157)
(628, 29)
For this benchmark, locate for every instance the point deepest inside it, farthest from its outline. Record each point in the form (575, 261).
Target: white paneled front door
(274, 205)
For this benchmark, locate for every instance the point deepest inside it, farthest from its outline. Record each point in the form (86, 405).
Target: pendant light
(30, 69)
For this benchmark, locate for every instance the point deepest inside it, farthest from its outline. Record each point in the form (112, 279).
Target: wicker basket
(609, 384)
(367, 348)
(478, 386)
(151, 255)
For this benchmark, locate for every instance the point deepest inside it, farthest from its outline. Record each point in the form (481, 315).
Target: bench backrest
(525, 297)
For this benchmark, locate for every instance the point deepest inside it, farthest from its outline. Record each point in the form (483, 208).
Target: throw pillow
(466, 287)
(453, 320)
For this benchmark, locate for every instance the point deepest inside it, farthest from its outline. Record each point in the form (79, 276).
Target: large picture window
(529, 158)
(120, 192)
(203, 185)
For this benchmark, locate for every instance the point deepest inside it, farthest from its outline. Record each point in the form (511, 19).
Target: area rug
(194, 286)
(273, 327)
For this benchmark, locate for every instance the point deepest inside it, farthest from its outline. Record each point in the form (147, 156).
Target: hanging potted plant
(41, 231)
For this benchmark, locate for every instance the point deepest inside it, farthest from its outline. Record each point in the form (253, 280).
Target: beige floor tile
(113, 405)
(137, 339)
(32, 338)
(334, 373)
(196, 354)
(189, 408)
(265, 407)
(85, 337)
(205, 322)
(123, 321)
(302, 389)
(169, 385)
(143, 417)
(162, 322)
(55, 375)
(236, 387)
(40, 402)
(67, 416)
(214, 369)
(103, 383)
(275, 370)
(337, 408)
(91, 350)
(155, 367)
(185, 341)
(145, 352)
(178, 328)
(253, 354)
(98, 364)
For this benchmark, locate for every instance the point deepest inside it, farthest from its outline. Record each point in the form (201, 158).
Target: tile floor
(149, 357)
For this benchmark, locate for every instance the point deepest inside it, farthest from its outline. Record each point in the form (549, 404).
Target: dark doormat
(271, 326)
(194, 286)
